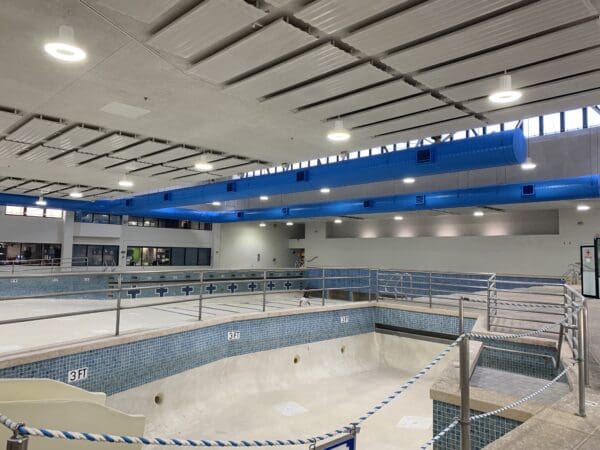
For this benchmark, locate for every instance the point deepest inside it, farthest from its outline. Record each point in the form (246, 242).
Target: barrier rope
(93, 437)
(438, 436)
(506, 337)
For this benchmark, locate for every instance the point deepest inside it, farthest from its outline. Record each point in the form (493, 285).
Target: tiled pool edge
(119, 364)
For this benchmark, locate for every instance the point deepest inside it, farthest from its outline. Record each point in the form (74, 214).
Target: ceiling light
(216, 203)
(505, 93)
(338, 133)
(264, 198)
(289, 224)
(398, 218)
(262, 224)
(203, 165)
(408, 180)
(478, 213)
(583, 207)
(337, 221)
(65, 48)
(75, 193)
(124, 182)
(40, 201)
(528, 164)
(325, 190)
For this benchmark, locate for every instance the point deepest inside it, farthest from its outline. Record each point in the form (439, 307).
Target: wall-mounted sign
(77, 375)
(233, 335)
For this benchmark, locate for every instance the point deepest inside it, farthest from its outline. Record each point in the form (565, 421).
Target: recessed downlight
(262, 224)
(41, 201)
(505, 93)
(583, 207)
(478, 213)
(325, 190)
(216, 203)
(125, 182)
(289, 224)
(338, 133)
(528, 164)
(64, 48)
(338, 221)
(398, 218)
(408, 180)
(75, 193)
(203, 165)
(264, 198)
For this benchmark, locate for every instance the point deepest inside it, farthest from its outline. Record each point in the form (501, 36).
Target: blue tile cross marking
(161, 291)
(187, 290)
(211, 288)
(288, 285)
(232, 287)
(271, 285)
(252, 286)
(133, 293)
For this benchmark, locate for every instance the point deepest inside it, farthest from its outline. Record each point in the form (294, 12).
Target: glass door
(589, 276)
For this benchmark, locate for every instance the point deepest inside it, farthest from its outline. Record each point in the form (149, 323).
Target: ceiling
(257, 83)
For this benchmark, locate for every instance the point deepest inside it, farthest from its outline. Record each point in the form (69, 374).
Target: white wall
(242, 242)
(535, 255)
(30, 229)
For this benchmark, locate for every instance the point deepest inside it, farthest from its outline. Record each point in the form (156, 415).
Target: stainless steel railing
(49, 265)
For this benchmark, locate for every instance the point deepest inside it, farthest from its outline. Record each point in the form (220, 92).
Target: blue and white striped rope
(93, 437)
(438, 436)
(506, 337)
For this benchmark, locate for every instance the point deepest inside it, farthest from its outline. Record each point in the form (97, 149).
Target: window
(85, 217)
(31, 211)
(168, 256)
(552, 123)
(95, 255)
(15, 210)
(29, 253)
(593, 117)
(531, 127)
(54, 213)
(34, 212)
(574, 119)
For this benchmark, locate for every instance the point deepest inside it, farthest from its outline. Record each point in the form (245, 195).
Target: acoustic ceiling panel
(518, 24)
(538, 73)
(9, 148)
(31, 185)
(170, 155)
(35, 130)
(45, 187)
(94, 191)
(196, 178)
(141, 149)
(420, 21)
(545, 107)
(7, 119)
(301, 68)
(145, 11)
(271, 42)
(364, 99)
(414, 120)
(543, 91)
(238, 169)
(128, 167)
(331, 16)
(205, 25)
(396, 109)
(110, 144)
(42, 153)
(152, 170)
(527, 52)
(337, 84)
(437, 129)
(74, 138)
(101, 163)
(71, 159)
(9, 182)
(169, 173)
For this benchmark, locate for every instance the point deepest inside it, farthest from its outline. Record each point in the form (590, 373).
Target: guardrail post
(430, 296)
(489, 298)
(200, 296)
(118, 319)
(17, 442)
(586, 341)
(581, 359)
(377, 285)
(465, 409)
(324, 295)
(370, 290)
(264, 299)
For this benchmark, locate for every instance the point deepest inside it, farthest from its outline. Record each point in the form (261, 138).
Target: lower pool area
(305, 366)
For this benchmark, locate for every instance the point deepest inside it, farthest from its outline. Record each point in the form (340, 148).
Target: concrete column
(123, 243)
(67, 238)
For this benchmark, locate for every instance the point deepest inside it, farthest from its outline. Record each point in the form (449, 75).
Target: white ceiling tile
(169, 155)
(71, 159)
(169, 173)
(74, 138)
(145, 11)
(525, 21)
(35, 130)
(41, 153)
(364, 99)
(205, 25)
(128, 167)
(414, 120)
(110, 144)
(32, 185)
(149, 171)
(8, 119)
(196, 179)
(331, 16)
(538, 73)
(102, 163)
(9, 182)
(142, 149)
(337, 84)
(271, 42)
(9, 148)
(420, 21)
(527, 52)
(301, 68)
(545, 107)
(396, 109)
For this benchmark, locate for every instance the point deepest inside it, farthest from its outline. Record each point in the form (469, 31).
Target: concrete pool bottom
(267, 395)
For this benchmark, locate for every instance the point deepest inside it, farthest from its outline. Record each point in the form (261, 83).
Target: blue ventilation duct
(497, 149)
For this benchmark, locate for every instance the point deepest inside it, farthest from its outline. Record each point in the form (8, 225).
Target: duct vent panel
(240, 215)
(285, 211)
(424, 156)
(302, 175)
(168, 197)
(368, 204)
(528, 190)
(231, 187)
(420, 200)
